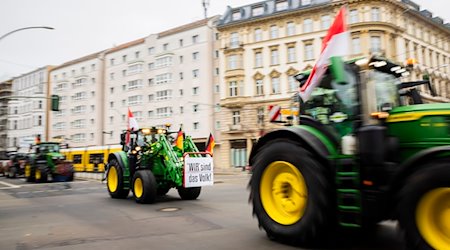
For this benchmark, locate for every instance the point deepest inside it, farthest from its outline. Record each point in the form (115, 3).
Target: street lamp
(26, 28)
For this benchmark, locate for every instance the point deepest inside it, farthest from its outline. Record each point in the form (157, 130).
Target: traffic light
(55, 103)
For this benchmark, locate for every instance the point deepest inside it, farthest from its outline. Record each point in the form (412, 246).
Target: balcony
(234, 102)
(233, 47)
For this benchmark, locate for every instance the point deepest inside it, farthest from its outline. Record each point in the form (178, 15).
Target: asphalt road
(81, 215)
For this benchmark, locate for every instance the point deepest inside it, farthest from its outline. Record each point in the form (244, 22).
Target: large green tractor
(46, 163)
(149, 165)
(366, 150)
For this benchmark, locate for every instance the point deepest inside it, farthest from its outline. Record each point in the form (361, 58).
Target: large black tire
(424, 202)
(12, 172)
(115, 181)
(41, 174)
(292, 194)
(144, 186)
(189, 193)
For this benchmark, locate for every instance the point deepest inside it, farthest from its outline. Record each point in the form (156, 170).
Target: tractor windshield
(49, 148)
(386, 90)
(334, 104)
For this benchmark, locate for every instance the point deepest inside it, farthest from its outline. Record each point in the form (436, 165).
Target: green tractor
(149, 165)
(46, 163)
(366, 150)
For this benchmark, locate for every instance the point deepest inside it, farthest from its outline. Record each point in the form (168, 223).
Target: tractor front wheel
(424, 207)
(144, 186)
(292, 193)
(115, 181)
(41, 174)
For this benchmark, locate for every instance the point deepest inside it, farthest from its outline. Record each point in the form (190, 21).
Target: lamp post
(25, 28)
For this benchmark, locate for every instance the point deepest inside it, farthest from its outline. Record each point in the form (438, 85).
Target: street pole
(26, 28)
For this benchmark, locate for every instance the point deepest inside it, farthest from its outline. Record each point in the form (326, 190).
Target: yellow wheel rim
(27, 170)
(138, 188)
(113, 179)
(433, 218)
(37, 175)
(283, 192)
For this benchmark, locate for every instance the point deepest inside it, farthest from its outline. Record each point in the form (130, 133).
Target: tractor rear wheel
(292, 193)
(12, 172)
(115, 181)
(424, 207)
(189, 193)
(144, 186)
(41, 174)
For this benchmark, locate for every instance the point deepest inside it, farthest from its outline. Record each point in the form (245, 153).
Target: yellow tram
(90, 159)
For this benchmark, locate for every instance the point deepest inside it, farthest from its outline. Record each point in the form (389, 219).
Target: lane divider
(8, 185)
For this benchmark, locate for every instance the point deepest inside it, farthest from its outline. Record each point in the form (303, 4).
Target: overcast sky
(83, 27)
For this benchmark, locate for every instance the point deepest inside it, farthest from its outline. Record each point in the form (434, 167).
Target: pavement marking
(9, 185)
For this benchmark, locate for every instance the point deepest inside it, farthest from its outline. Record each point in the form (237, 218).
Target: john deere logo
(338, 117)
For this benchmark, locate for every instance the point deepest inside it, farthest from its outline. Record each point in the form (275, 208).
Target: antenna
(205, 4)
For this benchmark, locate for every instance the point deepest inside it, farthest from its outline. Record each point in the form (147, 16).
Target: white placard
(198, 171)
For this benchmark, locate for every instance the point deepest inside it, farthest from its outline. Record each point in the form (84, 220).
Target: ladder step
(350, 219)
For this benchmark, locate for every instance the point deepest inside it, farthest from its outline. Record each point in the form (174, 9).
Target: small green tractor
(149, 165)
(366, 150)
(46, 163)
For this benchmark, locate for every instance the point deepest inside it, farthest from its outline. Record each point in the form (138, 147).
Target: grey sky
(83, 27)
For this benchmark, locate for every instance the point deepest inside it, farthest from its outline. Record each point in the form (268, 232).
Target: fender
(308, 136)
(121, 157)
(414, 163)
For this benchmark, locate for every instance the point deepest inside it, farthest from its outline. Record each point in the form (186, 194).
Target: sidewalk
(99, 176)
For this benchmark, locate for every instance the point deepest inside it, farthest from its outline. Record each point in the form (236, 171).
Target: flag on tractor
(132, 126)
(210, 144)
(179, 140)
(335, 43)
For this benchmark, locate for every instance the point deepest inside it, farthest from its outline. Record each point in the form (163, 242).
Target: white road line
(9, 185)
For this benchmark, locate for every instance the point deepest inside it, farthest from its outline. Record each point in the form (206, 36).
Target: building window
(39, 121)
(217, 125)
(150, 82)
(163, 62)
(354, 16)
(137, 54)
(181, 109)
(151, 114)
(124, 58)
(216, 53)
(260, 116)
(291, 54)
(163, 78)
(195, 73)
(164, 112)
(135, 84)
(181, 92)
(233, 87)
(232, 62)
(325, 21)
(195, 56)
(124, 72)
(290, 28)
(135, 100)
(151, 50)
(275, 85)
(236, 15)
(134, 69)
(307, 25)
(151, 66)
(181, 42)
(92, 67)
(195, 39)
(257, 11)
(293, 84)
(236, 115)
(111, 104)
(258, 59)
(281, 5)
(195, 108)
(217, 88)
(181, 75)
(217, 107)
(165, 47)
(356, 45)
(234, 40)
(274, 57)
(309, 51)
(196, 125)
(375, 43)
(375, 14)
(259, 87)
(217, 71)
(195, 90)
(273, 31)
(258, 35)
(151, 97)
(164, 95)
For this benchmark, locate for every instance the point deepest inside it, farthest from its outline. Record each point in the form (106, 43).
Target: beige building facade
(5, 92)
(264, 44)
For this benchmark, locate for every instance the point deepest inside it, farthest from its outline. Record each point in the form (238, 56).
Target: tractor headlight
(137, 148)
(134, 152)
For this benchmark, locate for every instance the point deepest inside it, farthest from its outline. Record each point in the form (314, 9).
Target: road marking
(9, 185)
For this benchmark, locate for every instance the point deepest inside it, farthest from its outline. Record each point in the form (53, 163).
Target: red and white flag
(335, 43)
(132, 125)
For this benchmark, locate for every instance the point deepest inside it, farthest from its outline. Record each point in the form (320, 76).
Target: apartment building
(264, 44)
(171, 77)
(79, 83)
(27, 112)
(5, 91)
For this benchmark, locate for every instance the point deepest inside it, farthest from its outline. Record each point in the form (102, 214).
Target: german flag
(210, 144)
(179, 140)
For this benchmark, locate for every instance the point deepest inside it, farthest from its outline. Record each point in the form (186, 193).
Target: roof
(126, 45)
(185, 27)
(78, 60)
